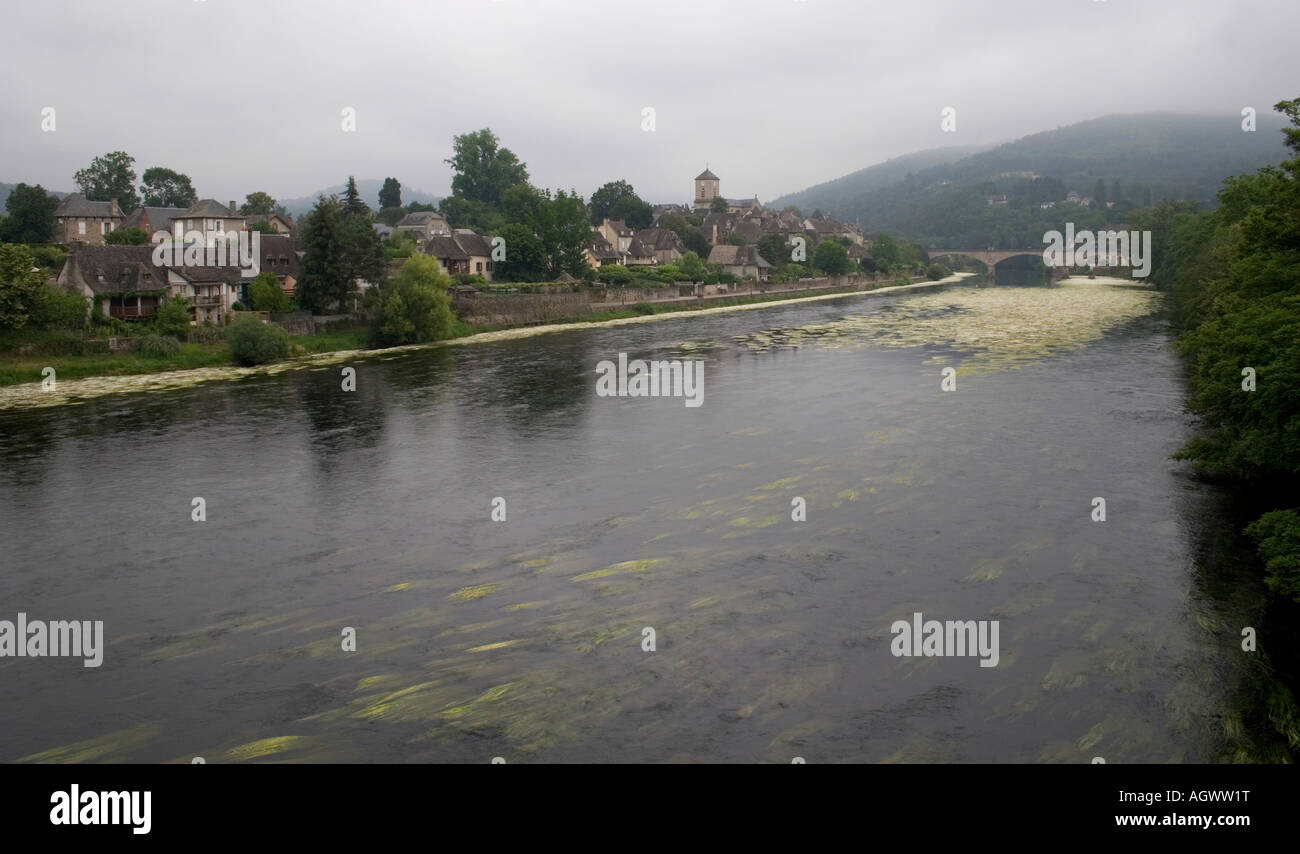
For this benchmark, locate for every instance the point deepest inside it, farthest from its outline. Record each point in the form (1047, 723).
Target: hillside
(369, 189)
(1145, 157)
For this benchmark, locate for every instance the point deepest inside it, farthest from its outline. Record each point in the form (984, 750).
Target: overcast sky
(775, 95)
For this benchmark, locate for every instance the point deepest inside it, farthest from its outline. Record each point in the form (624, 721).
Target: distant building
(425, 224)
(740, 261)
(210, 219)
(79, 220)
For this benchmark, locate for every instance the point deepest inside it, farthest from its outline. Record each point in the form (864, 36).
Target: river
(523, 639)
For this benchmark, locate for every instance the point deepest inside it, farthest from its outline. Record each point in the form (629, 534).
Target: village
(126, 282)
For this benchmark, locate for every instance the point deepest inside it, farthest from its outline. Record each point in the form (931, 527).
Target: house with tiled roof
(126, 283)
(277, 223)
(601, 252)
(151, 219)
(209, 220)
(666, 245)
(424, 224)
(462, 251)
(79, 220)
(740, 261)
(638, 255)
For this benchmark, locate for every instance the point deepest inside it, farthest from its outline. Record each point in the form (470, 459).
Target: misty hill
(369, 189)
(1145, 157)
(6, 189)
(842, 192)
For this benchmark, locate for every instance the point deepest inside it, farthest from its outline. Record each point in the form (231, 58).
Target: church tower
(706, 189)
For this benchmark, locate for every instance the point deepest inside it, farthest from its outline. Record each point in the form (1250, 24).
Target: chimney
(112, 207)
(715, 234)
(234, 209)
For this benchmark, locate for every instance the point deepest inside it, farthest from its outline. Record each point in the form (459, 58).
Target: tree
(615, 274)
(362, 253)
(173, 317)
(688, 232)
(258, 204)
(774, 249)
(1099, 194)
(127, 237)
(718, 205)
(483, 169)
(20, 286)
(831, 257)
(692, 267)
(563, 230)
(414, 307)
(525, 261)
(324, 282)
(30, 215)
(110, 177)
(735, 238)
(267, 295)
(253, 342)
(167, 188)
(352, 204)
(390, 195)
(617, 200)
(885, 252)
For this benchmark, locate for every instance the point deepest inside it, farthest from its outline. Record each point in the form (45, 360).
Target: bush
(205, 334)
(1277, 536)
(470, 279)
(58, 309)
(267, 295)
(127, 237)
(938, 271)
(253, 342)
(158, 346)
(643, 308)
(173, 317)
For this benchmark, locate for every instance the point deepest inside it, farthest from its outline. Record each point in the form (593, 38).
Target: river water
(372, 511)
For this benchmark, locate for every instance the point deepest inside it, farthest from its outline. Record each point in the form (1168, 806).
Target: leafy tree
(831, 257)
(20, 286)
(718, 205)
(774, 249)
(1099, 194)
(483, 170)
(173, 317)
(127, 237)
(259, 204)
(414, 307)
(390, 216)
(30, 215)
(735, 238)
(263, 227)
(56, 308)
(615, 274)
(253, 342)
(390, 195)
(267, 295)
(885, 252)
(110, 177)
(689, 232)
(692, 267)
(525, 260)
(352, 204)
(562, 229)
(617, 200)
(466, 213)
(167, 188)
(362, 251)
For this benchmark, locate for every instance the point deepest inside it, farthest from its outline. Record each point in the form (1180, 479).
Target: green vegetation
(414, 307)
(267, 295)
(940, 198)
(127, 237)
(167, 188)
(253, 342)
(1233, 275)
(158, 346)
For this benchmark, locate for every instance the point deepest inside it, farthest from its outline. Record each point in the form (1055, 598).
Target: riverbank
(84, 377)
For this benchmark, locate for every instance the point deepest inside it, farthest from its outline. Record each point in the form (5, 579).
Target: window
(81, 226)
(105, 227)
(220, 225)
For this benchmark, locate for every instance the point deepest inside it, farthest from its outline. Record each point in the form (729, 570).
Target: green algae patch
(477, 591)
(263, 747)
(488, 647)
(112, 747)
(624, 568)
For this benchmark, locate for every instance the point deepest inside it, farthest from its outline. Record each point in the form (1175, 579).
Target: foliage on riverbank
(1234, 278)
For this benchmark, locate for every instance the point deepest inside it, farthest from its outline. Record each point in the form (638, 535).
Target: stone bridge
(990, 257)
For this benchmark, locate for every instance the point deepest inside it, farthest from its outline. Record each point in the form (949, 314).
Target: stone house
(740, 261)
(150, 219)
(79, 220)
(209, 219)
(424, 225)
